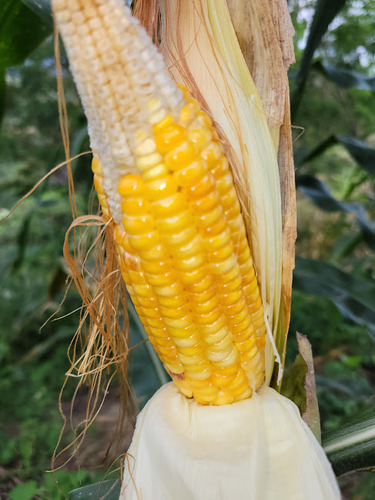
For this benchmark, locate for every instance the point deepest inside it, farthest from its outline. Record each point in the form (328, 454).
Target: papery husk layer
(258, 448)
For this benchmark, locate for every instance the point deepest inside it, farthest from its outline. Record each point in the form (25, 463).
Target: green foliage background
(334, 296)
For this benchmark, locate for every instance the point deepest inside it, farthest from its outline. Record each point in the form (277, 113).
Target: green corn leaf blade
(42, 9)
(21, 31)
(352, 295)
(320, 195)
(2, 94)
(358, 150)
(346, 78)
(352, 447)
(105, 490)
(325, 12)
(362, 154)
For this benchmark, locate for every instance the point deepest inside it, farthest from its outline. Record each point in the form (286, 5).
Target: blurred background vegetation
(333, 110)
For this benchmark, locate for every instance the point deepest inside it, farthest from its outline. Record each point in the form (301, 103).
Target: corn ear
(200, 36)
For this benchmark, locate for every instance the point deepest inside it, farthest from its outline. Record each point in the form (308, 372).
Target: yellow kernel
(168, 206)
(223, 267)
(221, 355)
(213, 338)
(224, 398)
(190, 263)
(175, 223)
(143, 290)
(170, 290)
(246, 345)
(181, 156)
(213, 327)
(160, 188)
(237, 307)
(186, 115)
(96, 166)
(145, 147)
(203, 296)
(138, 225)
(186, 340)
(135, 206)
(193, 276)
(203, 285)
(222, 345)
(201, 137)
(206, 307)
(238, 318)
(192, 350)
(156, 266)
(144, 241)
(201, 373)
(231, 356)
(155, 252)
(212, 154)
(174, 312)
(147, 162)
(205, 186)
(239, 327)
(166, 122)
(224, 183)
(182, 237)
(216, 228)
(205, 204)
(208, 219)
(160, 279)
(155, 172)
(170, 137)
(130, 185)
(190, 175)
(98, 184)
(176, 301)
(222, 253)
(208, 318)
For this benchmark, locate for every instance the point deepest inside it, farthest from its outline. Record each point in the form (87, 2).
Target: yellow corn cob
(164, 178)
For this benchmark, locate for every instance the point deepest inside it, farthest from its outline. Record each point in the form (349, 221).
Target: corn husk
(257, 449)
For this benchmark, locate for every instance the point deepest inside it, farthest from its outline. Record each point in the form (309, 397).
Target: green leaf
(21, 31)
(42, 8)
(325, 12)
(346, 78)
(321, 196)
(362, 154)
(2, 94)
(352, 447)
(358, 150)
(108, 490)
(353, 296)
(24, 491)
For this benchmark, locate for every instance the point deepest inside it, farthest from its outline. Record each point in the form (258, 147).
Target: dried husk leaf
(265, 34)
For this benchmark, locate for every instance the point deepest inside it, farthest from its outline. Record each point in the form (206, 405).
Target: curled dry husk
(259, 448)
